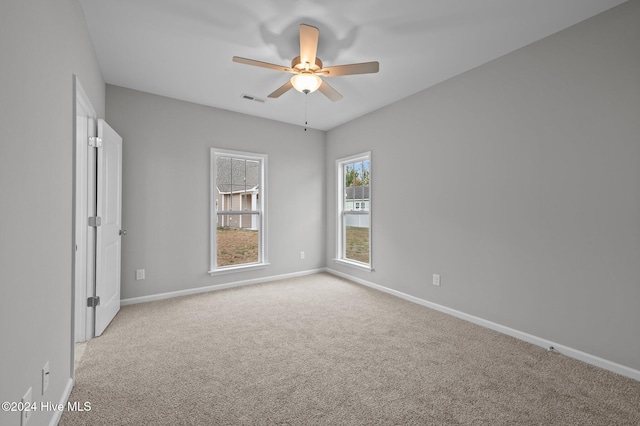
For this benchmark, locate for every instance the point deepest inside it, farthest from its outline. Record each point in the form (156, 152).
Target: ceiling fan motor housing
(296, 64)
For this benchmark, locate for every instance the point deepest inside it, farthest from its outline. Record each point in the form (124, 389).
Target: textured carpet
(319, 350)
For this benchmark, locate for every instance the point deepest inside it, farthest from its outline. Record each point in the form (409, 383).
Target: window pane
(238, 174)
(356, 182)
(239, 219)
(223, 178)
(356, 237)
(354, 206)
(238, 181)
(237, 239)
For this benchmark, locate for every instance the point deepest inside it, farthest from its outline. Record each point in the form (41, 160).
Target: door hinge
(95, 142)
(94, 301)
(95, 221)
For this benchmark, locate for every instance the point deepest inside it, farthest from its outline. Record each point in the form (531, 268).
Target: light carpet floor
(319, 350)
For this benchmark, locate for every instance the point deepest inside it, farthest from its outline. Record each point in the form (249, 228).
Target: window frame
(340, 212)
(261, 211)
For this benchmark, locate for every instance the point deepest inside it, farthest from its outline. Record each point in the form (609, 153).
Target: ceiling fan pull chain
(306, 103)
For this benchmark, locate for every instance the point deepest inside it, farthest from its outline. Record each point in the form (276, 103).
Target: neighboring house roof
(226, 189)
(357, 192)
(237, 175)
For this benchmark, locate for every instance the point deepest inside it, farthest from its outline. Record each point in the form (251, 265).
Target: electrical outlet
(139, 274)
(436, 279)
(45, 377)
(301, 255)
(27, 402)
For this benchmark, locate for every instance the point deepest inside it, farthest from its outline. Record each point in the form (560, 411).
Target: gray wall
(166, 190)
(525, 173)
(42, 44)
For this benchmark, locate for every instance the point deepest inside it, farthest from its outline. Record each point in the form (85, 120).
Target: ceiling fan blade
(308, 44)
(329, 91)
(261, 64)
(363, 68)
(281, 90)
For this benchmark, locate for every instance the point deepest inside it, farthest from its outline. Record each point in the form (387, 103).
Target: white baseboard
(565, 350)
(57, 414)
(169, 295)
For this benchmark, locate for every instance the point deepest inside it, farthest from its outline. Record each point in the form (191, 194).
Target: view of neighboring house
(357, 199)
(237, 190)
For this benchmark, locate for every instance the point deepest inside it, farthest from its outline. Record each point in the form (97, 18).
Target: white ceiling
(183, 48)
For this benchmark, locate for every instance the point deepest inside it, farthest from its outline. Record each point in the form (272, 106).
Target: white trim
(547, 344)
(83, 239)
(57, 414)
(355, 264)
(340, 243)
(190, 291)
(239, 268)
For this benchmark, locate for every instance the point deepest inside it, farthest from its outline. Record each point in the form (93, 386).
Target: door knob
(123, 232)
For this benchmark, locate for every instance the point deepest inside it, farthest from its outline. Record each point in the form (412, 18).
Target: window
(354, 210)
(238, 214)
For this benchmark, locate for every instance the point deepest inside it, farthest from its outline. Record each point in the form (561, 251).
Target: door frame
(83, 241)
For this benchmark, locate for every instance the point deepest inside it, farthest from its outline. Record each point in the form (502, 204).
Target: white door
(109, 209)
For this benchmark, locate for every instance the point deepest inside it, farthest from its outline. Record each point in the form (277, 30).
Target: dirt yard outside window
(237, 246)
(357, 244)
(240, 246)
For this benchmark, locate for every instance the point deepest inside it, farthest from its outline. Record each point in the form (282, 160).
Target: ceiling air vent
(252, 98)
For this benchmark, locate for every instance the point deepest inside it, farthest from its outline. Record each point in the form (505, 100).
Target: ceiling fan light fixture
(306, 82)
(307, 68)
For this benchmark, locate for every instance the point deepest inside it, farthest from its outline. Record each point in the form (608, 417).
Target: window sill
(353, 264)
(243, 268)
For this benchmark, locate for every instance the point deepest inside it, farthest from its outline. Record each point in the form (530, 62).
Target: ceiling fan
(307, 68)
